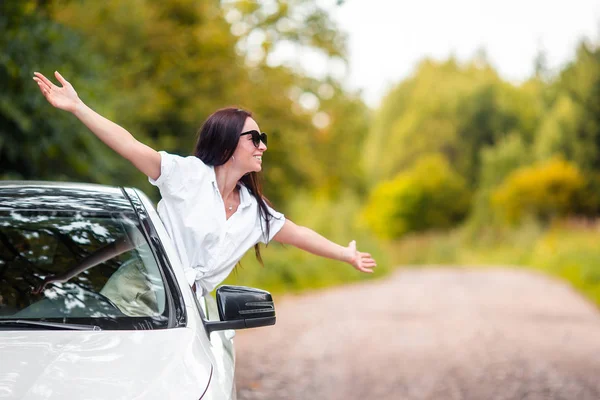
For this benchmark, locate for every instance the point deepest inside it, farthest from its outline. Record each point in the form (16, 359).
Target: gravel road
(427, 334)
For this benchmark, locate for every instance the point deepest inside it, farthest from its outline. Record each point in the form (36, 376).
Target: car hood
(102, 365)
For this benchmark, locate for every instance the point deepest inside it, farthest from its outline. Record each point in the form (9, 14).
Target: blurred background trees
(159, 69)
(452, 147)
(430, 195)
(499, 137)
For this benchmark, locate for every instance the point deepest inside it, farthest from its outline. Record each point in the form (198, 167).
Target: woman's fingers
(44, 80)
(41, 84)
(43, 88)
(366, 256)
(366, 263)
(62, 80)
(365, 266)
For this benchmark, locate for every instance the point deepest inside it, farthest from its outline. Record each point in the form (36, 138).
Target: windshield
(78, 267)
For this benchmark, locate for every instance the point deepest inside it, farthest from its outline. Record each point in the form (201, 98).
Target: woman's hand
(64, 98)
(309, 240)
(361, 261)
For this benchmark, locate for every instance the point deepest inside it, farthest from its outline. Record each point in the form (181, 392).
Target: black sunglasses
(257, 137)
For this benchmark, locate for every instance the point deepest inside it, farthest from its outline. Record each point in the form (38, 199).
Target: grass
(569, 250)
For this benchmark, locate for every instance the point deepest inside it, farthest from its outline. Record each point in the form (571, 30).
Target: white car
(94, 303)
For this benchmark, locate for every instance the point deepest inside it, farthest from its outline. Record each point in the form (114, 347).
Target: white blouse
(192, 210)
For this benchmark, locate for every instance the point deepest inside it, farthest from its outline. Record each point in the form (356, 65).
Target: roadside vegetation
(568, 249)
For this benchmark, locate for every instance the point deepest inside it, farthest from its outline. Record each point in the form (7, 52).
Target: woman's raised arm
(117, 138)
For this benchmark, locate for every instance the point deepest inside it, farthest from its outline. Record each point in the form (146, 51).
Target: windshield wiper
(55, 325)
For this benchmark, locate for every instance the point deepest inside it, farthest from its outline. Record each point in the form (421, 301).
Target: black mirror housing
(242, 307)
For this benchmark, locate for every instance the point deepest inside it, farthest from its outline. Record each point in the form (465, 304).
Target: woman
(212, 204)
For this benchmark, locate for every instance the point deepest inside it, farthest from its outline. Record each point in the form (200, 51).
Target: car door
(221, 345)
(199, 309)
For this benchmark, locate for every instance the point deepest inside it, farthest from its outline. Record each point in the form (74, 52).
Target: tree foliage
(35, 141)
(543, 191)
(159, 69)
(580, 119)
(498, 135)
(449, 108)
(430, 195)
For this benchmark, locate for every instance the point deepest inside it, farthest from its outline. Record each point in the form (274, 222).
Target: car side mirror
(242, 307)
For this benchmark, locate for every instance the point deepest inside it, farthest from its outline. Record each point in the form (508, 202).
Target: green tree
(172, 63)
(448, 108)
(557, 134)
(35, 141)
(159, 69)
(497, 162)
(543, 191)
(570, 127)
(580, 118)
(266, 24)
(430, 195)
(177, 61)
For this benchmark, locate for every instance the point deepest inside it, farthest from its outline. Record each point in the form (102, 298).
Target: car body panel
(42, 364)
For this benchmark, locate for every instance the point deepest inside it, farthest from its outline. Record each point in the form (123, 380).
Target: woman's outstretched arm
(309, 240)
(65, 98)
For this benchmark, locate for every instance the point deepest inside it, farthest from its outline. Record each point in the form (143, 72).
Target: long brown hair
(217, 140)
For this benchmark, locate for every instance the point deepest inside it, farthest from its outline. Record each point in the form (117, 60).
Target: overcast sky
(388, 37)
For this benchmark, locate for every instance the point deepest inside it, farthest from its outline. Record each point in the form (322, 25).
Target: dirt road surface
(427, 334)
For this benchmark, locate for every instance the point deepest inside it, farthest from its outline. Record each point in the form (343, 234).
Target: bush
(428, 196)
(542, 191)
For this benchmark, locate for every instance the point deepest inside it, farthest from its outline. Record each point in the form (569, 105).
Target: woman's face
(247, 156)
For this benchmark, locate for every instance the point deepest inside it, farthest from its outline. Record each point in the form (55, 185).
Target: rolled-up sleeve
(175, 171)
(169, 163)
(275, 225)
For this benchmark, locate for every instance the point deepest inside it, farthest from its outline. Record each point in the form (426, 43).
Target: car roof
(62, 196)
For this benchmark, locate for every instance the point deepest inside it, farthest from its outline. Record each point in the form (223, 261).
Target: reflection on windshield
(76, 265)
